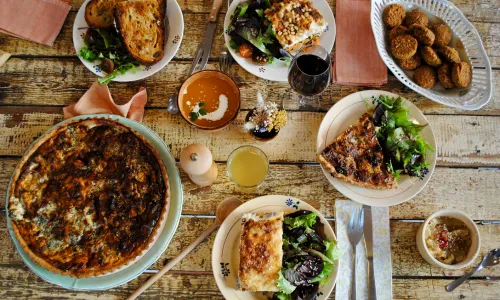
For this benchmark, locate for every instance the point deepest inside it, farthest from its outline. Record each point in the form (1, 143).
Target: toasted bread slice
(142, 26)
(357, 157)
(99, 13)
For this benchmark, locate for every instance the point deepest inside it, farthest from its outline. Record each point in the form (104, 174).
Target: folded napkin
(357, 61)
(98, 100)
(35, 20)
(381, 254)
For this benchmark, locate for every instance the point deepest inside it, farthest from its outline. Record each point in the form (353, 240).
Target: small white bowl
(474, 232)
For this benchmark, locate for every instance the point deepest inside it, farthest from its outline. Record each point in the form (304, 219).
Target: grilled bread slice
(99, 13)
(142, 25)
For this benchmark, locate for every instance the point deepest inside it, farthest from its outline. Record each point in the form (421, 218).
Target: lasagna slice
(260, 251)
(296, 23)
(357, 157)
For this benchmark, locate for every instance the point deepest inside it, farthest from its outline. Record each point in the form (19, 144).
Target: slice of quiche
(357, 157)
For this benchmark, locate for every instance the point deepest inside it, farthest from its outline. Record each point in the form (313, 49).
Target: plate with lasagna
(127, 40)
(275, 247)
(263, 35)
(94, 202)
(376, 148)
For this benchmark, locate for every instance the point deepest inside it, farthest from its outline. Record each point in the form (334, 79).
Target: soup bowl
(209, 100)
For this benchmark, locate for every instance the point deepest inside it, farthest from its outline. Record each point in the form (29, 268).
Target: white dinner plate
(346, 112)
(225, 252)
(278, 71)
(172, 44)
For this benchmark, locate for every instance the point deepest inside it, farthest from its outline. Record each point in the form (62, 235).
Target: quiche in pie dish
(88, 198)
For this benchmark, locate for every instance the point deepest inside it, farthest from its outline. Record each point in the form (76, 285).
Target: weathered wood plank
(61, 81)
(461, 140)
(194, 35)
(470, 190)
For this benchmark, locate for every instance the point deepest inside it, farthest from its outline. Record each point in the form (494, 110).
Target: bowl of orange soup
(209, 100)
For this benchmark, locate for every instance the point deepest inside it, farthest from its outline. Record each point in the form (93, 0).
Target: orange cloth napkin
(357, 61)
(98, 100)
(35, 20)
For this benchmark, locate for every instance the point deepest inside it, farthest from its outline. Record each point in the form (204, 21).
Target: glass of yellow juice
(247, 166)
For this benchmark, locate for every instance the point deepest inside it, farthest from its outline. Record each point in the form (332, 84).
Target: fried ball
(422, 34)
(411, 63)
(461, 74)
(416, 17)
(444, 76)
(443, 34)
(449, 54)
(404, 46)
(397, 31)
(425, 76)
(430, 56)
(393, 15)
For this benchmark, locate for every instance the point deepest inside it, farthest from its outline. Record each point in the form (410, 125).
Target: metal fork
(355, 234)
(225, 58)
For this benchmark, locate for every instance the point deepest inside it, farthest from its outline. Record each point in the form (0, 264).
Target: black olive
(107, 65)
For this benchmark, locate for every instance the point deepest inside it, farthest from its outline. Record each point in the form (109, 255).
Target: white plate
(225, 253)
(172, 44)
(481, 89)
(346, 112)
(278, 71)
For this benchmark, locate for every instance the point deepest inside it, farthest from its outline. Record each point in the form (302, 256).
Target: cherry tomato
(245, 50)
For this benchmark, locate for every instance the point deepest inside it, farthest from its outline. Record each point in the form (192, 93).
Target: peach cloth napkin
(357, 61)
(98, 100)
(35, 20)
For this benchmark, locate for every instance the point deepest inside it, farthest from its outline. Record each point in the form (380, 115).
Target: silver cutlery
(368, 232)
(225, 61)
(355, 234)
(491, 259)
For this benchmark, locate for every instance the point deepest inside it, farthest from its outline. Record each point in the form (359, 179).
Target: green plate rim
(137, 268)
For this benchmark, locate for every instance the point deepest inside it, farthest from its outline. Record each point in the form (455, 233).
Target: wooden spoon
(224, 208)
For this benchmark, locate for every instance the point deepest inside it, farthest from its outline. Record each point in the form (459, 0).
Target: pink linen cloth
(357, 61)
(98, 100)
(35, 20)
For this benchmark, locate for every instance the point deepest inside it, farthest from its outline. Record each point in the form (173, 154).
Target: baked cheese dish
(261, 251)
(296, 23)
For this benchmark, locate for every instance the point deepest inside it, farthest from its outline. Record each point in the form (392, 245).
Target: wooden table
(38, 81)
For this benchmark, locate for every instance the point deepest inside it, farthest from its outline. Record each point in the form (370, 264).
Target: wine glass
(309, 73)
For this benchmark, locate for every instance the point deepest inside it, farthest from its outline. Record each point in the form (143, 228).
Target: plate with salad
(376, 148)
(264, 35)
(275, 247)
(127, 40)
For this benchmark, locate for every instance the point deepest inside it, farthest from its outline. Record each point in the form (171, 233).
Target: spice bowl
(475, 243)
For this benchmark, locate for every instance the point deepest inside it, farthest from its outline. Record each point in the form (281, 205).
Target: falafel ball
(423, 34)
(404, 46)
(430, 56)
(444, 76)
(443, 34)
(411, 63)
(449, 54)
(393, 15)
(416, 17)
(397, 31)
(461, 74)
(425, 76)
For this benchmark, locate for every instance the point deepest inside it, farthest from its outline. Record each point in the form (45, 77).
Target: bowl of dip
(449, 239)
(209, 100)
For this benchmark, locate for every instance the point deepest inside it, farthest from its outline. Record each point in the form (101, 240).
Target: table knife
(368, 234)
(203, 52)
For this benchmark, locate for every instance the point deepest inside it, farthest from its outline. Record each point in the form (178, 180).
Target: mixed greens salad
(399, 135)
(308, 257)
(252, 35)
(106, 46)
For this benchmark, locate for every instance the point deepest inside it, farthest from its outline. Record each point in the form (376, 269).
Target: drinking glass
(247, 166)
(309, 73)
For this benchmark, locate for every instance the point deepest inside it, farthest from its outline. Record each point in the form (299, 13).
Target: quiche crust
(16, 205)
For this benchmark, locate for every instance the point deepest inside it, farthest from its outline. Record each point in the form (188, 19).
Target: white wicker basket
(480, 91)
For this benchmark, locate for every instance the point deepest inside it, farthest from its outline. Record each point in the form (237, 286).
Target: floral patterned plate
(278, 71)
(225, 253)
(172, 43)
